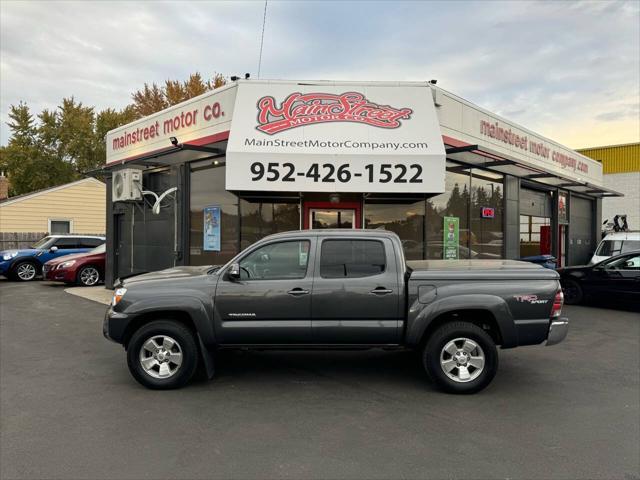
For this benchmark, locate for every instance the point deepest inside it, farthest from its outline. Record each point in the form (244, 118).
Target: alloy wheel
(26, 271)
(462, 360)
(160, 356)
(89, 276)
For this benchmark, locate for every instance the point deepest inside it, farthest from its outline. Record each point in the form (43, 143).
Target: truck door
(356, 292)
(271, 301)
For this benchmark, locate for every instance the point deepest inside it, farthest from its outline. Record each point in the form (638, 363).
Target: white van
(615, 244)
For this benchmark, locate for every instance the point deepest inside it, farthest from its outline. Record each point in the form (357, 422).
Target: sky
(569, 71)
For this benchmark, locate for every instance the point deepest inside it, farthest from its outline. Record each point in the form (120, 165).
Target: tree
(150, 99)
(63, 144)
(153, 98)
(27, 163)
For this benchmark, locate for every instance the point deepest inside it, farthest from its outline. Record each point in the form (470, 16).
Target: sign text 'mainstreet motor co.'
(181, 120)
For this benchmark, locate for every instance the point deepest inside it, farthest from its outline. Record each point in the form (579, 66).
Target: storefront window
(208, 198)
(486, 214)
(535, 235)
(407, 220)
(453, 203)
(259, 219)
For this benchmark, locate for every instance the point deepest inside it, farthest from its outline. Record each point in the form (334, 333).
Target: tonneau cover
(478, 269)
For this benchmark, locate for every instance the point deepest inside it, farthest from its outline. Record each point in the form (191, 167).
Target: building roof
(37, 193)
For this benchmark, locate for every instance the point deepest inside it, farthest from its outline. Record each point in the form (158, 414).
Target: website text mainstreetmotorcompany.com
(280, 143)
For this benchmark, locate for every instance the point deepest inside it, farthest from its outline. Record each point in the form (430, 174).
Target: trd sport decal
(533, 299)
(300, 109)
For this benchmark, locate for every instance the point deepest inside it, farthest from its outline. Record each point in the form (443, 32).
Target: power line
(264, 21)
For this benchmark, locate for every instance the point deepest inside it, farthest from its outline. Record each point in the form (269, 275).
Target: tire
(25, 271)
(147, 339)
(88, 276)
(573, 293)
(470, 347)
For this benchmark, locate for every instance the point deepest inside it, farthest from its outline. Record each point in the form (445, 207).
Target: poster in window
(211, 230)
(451, 238)
(562, 208)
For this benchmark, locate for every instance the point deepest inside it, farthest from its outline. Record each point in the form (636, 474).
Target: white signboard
(198, 120)
(330, 137)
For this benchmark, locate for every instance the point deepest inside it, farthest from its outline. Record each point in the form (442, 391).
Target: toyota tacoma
(336, 290)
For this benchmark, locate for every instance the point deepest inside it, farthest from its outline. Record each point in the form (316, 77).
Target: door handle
(381, 291)
(298, 291)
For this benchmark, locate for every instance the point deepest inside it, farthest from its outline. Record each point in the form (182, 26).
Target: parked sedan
(82, 268)
(26, 263)
(616, 278)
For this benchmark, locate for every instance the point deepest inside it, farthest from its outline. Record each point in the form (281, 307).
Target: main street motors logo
(300, 109)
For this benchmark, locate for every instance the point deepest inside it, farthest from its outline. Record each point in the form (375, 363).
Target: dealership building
(200, 181)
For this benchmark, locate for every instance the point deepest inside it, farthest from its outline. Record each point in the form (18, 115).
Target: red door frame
(357, 206)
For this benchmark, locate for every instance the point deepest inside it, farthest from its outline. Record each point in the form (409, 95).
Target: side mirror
(234, 271)
(53, 249)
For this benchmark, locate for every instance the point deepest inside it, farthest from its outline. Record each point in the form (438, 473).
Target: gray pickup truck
(336, 289)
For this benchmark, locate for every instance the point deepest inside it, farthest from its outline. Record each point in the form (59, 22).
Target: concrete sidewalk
(98, 294)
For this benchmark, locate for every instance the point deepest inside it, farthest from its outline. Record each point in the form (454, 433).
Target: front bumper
(557, 331)
(53, 274)
(5, 265)
(114, 325)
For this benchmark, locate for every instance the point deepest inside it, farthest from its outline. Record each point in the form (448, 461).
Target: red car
(82, 268)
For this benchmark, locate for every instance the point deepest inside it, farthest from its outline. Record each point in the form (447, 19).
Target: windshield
(99, 249)
(609, 248)
(44, 243)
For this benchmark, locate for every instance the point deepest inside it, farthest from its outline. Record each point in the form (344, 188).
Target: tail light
(558, 301)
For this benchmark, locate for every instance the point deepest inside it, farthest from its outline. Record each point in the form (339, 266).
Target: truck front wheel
(162, 355)
(460, 357)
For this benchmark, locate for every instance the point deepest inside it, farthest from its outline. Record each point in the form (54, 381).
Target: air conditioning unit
(126, 185)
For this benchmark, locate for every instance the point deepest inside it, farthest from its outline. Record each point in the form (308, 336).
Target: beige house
(76, 207)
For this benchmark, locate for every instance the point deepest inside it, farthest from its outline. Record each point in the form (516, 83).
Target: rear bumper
(557, 331)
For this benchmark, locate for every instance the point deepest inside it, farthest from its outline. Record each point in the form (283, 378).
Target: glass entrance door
(332, 218)
(320, 215)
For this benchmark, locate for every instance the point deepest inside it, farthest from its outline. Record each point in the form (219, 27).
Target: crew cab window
(276, 261)
(66, 243)
(351, 258)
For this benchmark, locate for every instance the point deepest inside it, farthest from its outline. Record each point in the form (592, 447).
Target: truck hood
(168, 274)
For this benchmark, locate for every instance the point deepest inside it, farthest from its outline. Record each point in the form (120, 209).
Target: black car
(614, 279)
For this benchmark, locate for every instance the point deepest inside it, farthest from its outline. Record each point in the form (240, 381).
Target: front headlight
(67, 264)
(117, 296)
(9, 255)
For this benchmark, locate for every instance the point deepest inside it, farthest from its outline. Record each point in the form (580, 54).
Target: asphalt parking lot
(69, 408)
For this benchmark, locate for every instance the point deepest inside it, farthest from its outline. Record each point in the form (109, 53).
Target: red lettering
(310, 108)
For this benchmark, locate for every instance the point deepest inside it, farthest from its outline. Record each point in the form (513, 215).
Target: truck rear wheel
(460, 357)
(162, 355)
